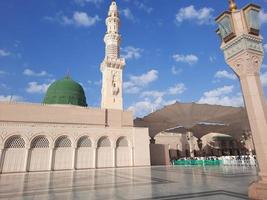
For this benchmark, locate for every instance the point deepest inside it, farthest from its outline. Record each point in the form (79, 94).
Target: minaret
(112, 66)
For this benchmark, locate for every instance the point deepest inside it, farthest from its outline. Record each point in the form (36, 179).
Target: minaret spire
(232, 5)
(113, 64)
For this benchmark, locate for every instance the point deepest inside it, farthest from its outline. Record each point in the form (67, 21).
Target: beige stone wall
(63, 114)
(30, 121)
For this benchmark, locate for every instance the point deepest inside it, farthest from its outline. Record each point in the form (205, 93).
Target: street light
(241, 43)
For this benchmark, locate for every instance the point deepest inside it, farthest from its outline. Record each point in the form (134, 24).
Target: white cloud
(264, 78)
(11, 98)
(34, 87)
(131, 52)
(201, 16)
(153, 93)
(222, 96)
(2, 72)
(29, 72)
(212, 58)
(143, 7)
(148, 105)
(263, 17)
(225, 74)
(4, 53)
(177, 89)
(127, 13)
(79, 19)
(136, 83)
(176, 71)
(189, 59)
(153, 100)
(83, 2)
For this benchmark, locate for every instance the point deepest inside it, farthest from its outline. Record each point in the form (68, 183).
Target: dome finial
(232, 5)
(68, 73)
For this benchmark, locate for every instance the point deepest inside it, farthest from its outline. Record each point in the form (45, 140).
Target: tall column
(114, 156)
(26, 159)
(95, 157)
(74, 158)
(51, 156)
(1, 159)
(113, 65)
(243, 52)
(132, 156)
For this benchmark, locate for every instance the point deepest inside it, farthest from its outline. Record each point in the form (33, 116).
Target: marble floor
(179, 182)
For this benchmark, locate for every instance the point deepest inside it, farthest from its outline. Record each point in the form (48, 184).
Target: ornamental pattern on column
(246, 64)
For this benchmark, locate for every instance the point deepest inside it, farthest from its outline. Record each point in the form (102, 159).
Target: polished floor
(179, 182)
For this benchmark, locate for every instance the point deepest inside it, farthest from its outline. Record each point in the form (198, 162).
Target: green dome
(65, 91)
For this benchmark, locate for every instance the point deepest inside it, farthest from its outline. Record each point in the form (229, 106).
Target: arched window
(63, 142)
(15, 142)
(122, 142)
(103, 142)
(84, 142)
(40, 142)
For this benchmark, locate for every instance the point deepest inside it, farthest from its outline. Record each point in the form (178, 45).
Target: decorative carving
(115, 83)
(246, 64)
(242, 43)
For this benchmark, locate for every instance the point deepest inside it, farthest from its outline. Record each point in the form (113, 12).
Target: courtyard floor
(179, 182)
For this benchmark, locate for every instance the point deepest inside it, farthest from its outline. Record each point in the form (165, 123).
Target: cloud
(212, 58)
(2, 73)
(127, 13)
(136, 83)
(153, 100)
(83, 2)
(190, 59)
(263, 77)
(34, 87)
(131, 52)
(263, 17)
(224, 74)
(222, 96)
(143, 7)
(78, 19)
(29, 72)
(4, 53)
(177, 89)
(11, 98)
(148, 105)
(176, 71)
(202, 16)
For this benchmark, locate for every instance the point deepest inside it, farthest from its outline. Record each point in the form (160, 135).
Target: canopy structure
(201, 119)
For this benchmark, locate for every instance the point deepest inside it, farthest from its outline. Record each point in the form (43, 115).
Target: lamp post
(243, 52)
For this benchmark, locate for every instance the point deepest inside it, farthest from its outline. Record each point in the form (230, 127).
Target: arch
(40, 142)
(84, 141)
(123, 152)
(15, 154)
(63, 142)
(104, 142)
(122, 142)
(15, 142)
(84, 153)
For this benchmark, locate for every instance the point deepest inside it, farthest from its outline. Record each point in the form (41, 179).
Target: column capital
(246, 64)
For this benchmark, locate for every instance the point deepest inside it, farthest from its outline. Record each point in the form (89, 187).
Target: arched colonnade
(41, 153)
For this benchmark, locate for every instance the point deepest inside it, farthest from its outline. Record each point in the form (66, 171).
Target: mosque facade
(63, 133)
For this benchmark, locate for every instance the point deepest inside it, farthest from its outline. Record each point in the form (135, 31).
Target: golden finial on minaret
(232, 5)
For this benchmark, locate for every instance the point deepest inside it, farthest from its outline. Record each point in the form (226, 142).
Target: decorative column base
(258, 190)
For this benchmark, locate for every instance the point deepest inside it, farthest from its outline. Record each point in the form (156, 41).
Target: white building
(65, 134)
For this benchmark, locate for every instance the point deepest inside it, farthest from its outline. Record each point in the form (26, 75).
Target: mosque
(63, 133)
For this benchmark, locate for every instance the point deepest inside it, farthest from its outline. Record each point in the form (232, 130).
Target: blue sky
(171, 49)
